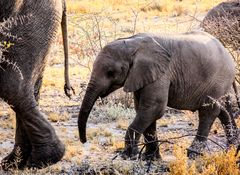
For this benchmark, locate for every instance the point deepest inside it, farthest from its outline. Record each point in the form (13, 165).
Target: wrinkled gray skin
(35, 137)
(182, 71)
(227, 10)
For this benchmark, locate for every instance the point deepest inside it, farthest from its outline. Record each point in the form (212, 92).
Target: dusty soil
(106, 128)
(109, 118)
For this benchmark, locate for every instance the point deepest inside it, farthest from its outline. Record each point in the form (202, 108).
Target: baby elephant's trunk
(89, 99)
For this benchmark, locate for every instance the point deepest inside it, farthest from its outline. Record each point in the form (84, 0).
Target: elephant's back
(212, 52)
(204, 50)
(202, 67)
(33, 25)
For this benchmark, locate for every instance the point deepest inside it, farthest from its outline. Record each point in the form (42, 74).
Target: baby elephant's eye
(110, 73)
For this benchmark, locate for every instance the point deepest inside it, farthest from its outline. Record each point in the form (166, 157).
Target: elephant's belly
(185, 100)
(182, 104)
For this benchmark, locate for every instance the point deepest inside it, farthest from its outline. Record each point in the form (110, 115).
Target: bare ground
(109, 119)
(106, 128)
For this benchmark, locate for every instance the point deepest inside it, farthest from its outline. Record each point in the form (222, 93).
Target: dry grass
(91, 25)
(94, 133)
(53, 117)
(122, 124)
(8, 119)
(158, 7)
(220, 163)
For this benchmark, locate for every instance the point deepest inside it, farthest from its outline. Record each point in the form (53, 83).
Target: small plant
(18, 156)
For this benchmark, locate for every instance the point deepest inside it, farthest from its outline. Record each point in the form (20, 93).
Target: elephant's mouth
(110, 90)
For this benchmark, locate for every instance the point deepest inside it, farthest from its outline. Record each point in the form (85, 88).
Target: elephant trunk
(92, 94)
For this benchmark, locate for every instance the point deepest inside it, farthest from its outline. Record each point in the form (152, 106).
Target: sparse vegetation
(92, 24)
(54, 117)
(220, 163)
(225, 27)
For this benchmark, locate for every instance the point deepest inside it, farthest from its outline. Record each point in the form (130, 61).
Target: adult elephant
(188, 72)
(222, 21)
(29, 28)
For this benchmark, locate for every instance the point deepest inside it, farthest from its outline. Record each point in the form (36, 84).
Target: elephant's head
(131, 63)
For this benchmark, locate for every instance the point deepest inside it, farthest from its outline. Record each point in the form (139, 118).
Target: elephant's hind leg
(230, 127)
(207, 115)
(47, 149)
(18, 157)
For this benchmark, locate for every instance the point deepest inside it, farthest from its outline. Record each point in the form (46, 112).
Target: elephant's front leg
(152, 147)
(142, 121)
(151, 106)
(21, 151)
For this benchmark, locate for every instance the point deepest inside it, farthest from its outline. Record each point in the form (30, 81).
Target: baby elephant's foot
(17, 159)
(196, 149)
(130, 152)
(46, 155)
(152, 154)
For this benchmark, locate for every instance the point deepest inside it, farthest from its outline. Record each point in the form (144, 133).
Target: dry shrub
(223, 22)
(220, 163)
(179, 166)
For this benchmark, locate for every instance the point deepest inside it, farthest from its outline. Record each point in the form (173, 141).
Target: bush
(223, 22)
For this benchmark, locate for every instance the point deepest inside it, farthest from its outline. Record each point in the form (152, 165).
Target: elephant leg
(230, 128)
(151, 106)
(152, 148)
(47, 149)
(207, 115)
(18, 157)
(150, 135)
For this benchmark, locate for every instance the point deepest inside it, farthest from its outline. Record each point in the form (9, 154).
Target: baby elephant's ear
(150, 63)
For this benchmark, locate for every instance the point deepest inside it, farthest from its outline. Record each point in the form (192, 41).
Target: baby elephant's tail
(236, 93)
(238, 103)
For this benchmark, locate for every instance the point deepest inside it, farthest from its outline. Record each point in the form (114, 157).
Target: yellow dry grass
(117, 18)
(220, 163)
(158, 7)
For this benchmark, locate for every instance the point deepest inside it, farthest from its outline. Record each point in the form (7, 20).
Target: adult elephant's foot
(46, 154)
(196, 149)
(17, 159)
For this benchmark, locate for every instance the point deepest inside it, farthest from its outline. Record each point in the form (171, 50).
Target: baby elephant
(187, 72)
